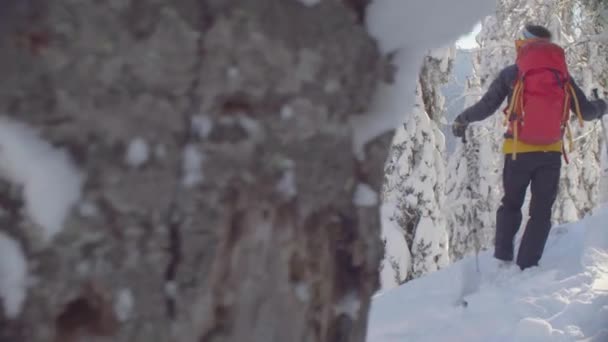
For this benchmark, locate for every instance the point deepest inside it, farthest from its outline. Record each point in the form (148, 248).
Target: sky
(468, 41)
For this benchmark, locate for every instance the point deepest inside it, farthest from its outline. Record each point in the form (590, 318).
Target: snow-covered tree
(594, 24)
(473, 185)
(435, 73)
(414, 190)
(473, 190)
(389, 24)
(414, 184)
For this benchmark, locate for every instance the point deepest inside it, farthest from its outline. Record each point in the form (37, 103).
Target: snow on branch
(13, 276)
(50, 180)
(600, 38)
(403, 27)
(398, 24)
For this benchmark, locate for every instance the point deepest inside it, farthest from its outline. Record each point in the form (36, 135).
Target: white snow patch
(233, 72)
(13, 276)
(434, 235)
(287, 184)
(397, 257)
(365, 196)
(88, 209)
(50, 180)
(192, 166)
(302, 291)
(569, 211)
(444, 54)
(287, 112)
(202, 125)
(389, 104)
(171, 289)
(400, 24)
(252, 126)
(310, 3)
(138, 152)
(532, 329)
(348, 305)
(123, 307)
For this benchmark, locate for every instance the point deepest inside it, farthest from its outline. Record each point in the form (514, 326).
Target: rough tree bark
(265, 243)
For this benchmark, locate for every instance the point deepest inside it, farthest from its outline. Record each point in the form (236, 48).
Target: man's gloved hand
(459, 128)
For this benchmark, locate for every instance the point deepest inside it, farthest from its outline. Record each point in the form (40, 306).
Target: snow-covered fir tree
(472, 191)
(414, 188)
(435, 72)
(594, 26)
(416, 241)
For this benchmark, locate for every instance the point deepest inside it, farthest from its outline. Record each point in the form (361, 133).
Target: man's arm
(492, 99)
(590, 110)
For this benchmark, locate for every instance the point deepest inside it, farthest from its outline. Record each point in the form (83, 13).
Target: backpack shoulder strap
(577, 105)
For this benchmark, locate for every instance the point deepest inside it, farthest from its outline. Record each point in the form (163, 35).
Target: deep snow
(564, 299)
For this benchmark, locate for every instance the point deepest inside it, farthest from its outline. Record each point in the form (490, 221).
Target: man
(540, 99)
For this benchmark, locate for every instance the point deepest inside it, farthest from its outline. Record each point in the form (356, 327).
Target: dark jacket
(502, 87)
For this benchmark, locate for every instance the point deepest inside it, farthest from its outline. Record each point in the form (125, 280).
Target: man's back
(548, 94)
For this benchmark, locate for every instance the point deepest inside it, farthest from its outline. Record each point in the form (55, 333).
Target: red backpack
(539, 110)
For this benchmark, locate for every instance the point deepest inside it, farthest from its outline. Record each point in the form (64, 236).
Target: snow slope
(565, 299)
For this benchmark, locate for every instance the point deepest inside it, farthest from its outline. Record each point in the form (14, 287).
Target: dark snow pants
(541, 170)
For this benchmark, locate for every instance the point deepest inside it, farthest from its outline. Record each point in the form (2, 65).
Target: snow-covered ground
(565, 299)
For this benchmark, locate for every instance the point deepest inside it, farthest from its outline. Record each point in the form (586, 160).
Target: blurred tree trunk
(234, 220)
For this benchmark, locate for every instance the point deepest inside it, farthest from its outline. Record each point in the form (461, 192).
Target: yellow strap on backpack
(511, 109)
(570, 138)
(577, 105)
(515, 98)
(571, 93)
(515, 134)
